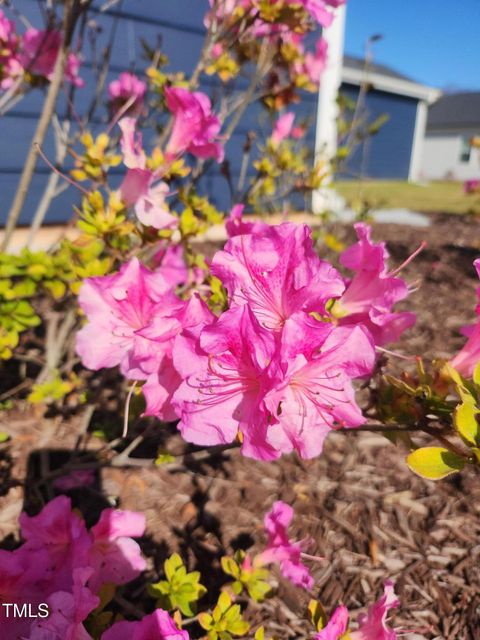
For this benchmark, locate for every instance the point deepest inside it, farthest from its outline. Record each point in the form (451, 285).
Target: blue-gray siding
(387, 154)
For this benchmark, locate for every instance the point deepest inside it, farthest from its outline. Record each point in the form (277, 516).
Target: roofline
(390, 84)
(454, 128)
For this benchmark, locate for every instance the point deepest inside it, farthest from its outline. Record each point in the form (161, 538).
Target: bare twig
(11, 97)
(51, 189)
(42, 126)
(263, 64)
(55, 342)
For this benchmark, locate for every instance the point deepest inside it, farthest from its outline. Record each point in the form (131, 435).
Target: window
(465, 150)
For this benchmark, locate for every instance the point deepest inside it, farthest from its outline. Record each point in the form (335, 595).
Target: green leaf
(205, 620)
(226, 619)
(465, 421)
(316, 614)
(476, 374)
(258, 590)
(4, 436)
(164, 458)
(171, 565)
(260, 633)
(180, 590)
(230, 567)
(434, 463)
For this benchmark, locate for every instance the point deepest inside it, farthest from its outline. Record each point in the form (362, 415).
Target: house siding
(441, 155)
(387, 154)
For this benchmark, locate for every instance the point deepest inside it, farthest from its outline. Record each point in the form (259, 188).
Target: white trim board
(390, 84)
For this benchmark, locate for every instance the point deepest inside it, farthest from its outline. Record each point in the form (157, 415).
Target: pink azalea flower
(131, 145)
(337, 625)
(163, 383)
(276, 273)
(131, 320)
(10, 67)
(318, 10)
(195, 127)
(236, 226)
(18, 585)
(280, 549)
(469, 356)
(114, 556)
(171, 258)
(471, 186)
(371, 626)
(282, 128)
(127, 89)
(141, 187)
(373, 291)
(156, 626)
(7, 30)
(311, 65)
(158, 391)
(39, 53)
(226, 369)
(68, 611)
(316, 394)
(60, 534)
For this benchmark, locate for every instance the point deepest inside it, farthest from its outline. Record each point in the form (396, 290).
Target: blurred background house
(395, 152)
(452, 122)
(424, 137)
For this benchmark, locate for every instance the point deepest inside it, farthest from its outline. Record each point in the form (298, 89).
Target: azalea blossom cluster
(285, 24)
(472, 186)
(468, 357)
(195, 130)
(281, 550)
(370, 626)
(64, 565)
(285, 128)
(274, 370)
(32, 55)
(126, 94)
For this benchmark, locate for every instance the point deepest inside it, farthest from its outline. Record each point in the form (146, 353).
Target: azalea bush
(266, 341)
(71, 575)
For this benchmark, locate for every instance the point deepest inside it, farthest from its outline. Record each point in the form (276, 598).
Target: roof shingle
(455, 110)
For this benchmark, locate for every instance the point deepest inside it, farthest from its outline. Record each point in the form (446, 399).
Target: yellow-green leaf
(205, 620)
(164, 458)
(476, 374)
(465, 420)
(316, 614)
(434, 463)
(260, 633)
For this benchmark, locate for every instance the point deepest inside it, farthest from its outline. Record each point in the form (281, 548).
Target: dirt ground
(371, 518)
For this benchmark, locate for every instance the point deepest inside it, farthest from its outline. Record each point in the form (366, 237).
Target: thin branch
(11, 97)
(55, 342)
(260, 71)
(42, 128)
(51, 189)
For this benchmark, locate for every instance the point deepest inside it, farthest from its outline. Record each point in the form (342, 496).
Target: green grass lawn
(444, 197)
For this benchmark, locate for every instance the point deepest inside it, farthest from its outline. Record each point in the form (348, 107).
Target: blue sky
(436, 42)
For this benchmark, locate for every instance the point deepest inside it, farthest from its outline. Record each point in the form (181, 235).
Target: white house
(452, 121)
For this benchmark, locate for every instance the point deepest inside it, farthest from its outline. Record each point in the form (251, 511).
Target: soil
(370, 517)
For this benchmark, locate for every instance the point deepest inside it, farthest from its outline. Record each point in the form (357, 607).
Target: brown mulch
(370, 517)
